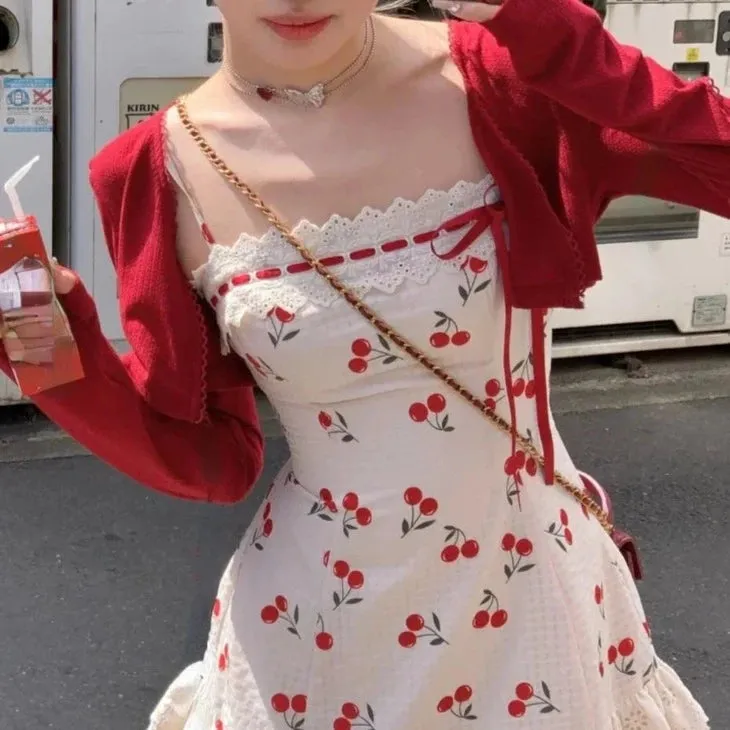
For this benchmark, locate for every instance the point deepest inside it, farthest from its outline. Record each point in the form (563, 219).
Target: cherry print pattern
(365, 354)
(432, 412)
(620, 656)
(447, 332)
(519, 551)
(417, 628)
(420, 507)
(526, 698)
(514, 465)
(350, 580)
(224, 659)
(598, 596)
(458, 703)
(560, 530)
(323, 640)
(263, 368)
(219, 725)
(217, 608)
(355, 515)
(324, 506)
(523, 381)
(335, 428)
(291, 709)
(264, 530)
(279, 319)
(351, 716)
(473, 270)
(458, 545)
(490, 613)
(495, 393)
(279, 611)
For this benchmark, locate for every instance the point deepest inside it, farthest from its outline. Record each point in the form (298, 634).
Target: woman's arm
(217, 461)
(643, 129)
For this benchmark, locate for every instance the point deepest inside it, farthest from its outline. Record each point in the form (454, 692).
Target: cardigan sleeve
(169, 413)
(644, 129)
(215, 461)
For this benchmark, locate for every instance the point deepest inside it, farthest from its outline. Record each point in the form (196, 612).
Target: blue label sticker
(27, 104)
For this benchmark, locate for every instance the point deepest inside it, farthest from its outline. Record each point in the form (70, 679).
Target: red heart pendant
(265, 94)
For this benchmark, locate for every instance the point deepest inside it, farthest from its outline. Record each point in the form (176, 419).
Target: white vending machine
(130, 59)
(27, 115)
(666, 268)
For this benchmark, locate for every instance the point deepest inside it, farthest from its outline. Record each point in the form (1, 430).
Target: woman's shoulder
(140, 148)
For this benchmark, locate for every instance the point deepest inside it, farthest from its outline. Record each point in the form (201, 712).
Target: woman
(410, 567)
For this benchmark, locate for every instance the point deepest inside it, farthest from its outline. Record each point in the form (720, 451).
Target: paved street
(106, 588)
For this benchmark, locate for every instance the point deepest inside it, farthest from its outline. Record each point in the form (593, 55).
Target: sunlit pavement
(106, 588)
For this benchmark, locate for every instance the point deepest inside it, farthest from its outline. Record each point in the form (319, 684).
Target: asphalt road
(105, 588)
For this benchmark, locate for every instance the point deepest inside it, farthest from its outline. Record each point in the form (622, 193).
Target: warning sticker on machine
(27, 104)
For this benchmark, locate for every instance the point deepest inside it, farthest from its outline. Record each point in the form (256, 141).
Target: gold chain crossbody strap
(379, 324)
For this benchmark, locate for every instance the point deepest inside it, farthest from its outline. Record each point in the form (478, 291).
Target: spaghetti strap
(175, 172)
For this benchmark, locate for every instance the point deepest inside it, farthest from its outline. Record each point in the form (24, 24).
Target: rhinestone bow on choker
(315, 97)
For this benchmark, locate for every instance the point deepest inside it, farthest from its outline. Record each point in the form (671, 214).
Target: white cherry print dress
(409, 568)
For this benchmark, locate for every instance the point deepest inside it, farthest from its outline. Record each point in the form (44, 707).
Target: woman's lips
(298, 29)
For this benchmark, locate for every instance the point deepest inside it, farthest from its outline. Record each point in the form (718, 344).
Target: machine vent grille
(606, 332)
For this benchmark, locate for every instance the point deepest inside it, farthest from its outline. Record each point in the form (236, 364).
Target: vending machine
(666, 267)
(27, 115)
(130, 60)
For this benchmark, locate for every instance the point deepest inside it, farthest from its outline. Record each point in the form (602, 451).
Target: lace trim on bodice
(376, 250)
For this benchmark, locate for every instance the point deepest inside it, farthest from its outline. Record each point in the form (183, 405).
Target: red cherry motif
(413, 497)
(435, 405)
(516, 708)
(521, 549)
(407, 639)
(459, 545)
(416, 623)
(281, 603)
(472, 268)
(531, 467)
(279, 318)
(460, 338)
(280, 703)
(439, 340)
(269, 614)
(429, 506)
(341, 569)
(530, 389)
(363, 516)
(418, 412)
(356, 579)
(219, 725)
(563, 517)
(493, 388)
(325, 420)
(223, 659)
(361, 348)
(217, 607)
(351, 501)
(324, 641)
(598, 595)
(268, 528)
(357, 365)
(568, 536)
(518, 387)
(491, 403)
(350, 710)
(463, 693)
(342, 723)
(612, 654)
(299, 704)
(626, 647)
(499, 618)
(489, 613)
(524, 694)
(445, 704)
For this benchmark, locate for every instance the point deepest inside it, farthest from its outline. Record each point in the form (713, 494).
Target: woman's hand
(29, 333)
(478, 11)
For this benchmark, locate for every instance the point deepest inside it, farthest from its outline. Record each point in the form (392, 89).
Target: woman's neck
(240, 62)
